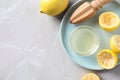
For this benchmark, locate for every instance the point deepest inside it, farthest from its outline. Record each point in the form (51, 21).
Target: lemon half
(90, 76)
(115, 43)
(107, 59)
(53, 7)
(109, 21)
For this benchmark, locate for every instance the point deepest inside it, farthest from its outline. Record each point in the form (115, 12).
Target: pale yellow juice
(84, 41)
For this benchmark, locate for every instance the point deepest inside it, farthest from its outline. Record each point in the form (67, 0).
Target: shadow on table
(112, 74)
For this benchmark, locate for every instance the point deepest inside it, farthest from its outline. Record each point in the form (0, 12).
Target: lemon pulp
(107, 59)
(90, 76)
(115, 43)
(109, 21)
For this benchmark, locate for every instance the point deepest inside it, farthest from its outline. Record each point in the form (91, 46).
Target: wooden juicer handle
(97, 4)
(87, 10)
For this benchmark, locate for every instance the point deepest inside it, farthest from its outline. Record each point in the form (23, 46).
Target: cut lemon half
(107, 59)
(90, 76)
(115, 43)
(109, 21)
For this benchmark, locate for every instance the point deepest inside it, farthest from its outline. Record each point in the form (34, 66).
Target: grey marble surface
(30, 48)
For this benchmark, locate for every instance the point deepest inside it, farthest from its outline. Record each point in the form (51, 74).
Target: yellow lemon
(109, 21)
(53, 7)
(115, 43)
(107, 59)
(90, 76)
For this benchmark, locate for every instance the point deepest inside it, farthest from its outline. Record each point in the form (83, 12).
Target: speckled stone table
(30, 48)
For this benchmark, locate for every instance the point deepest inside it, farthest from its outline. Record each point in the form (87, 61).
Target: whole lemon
(53, 7)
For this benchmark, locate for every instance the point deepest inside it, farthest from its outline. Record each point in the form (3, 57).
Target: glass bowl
(84, 40)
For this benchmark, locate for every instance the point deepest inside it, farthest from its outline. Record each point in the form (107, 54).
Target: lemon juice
(84, 40)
